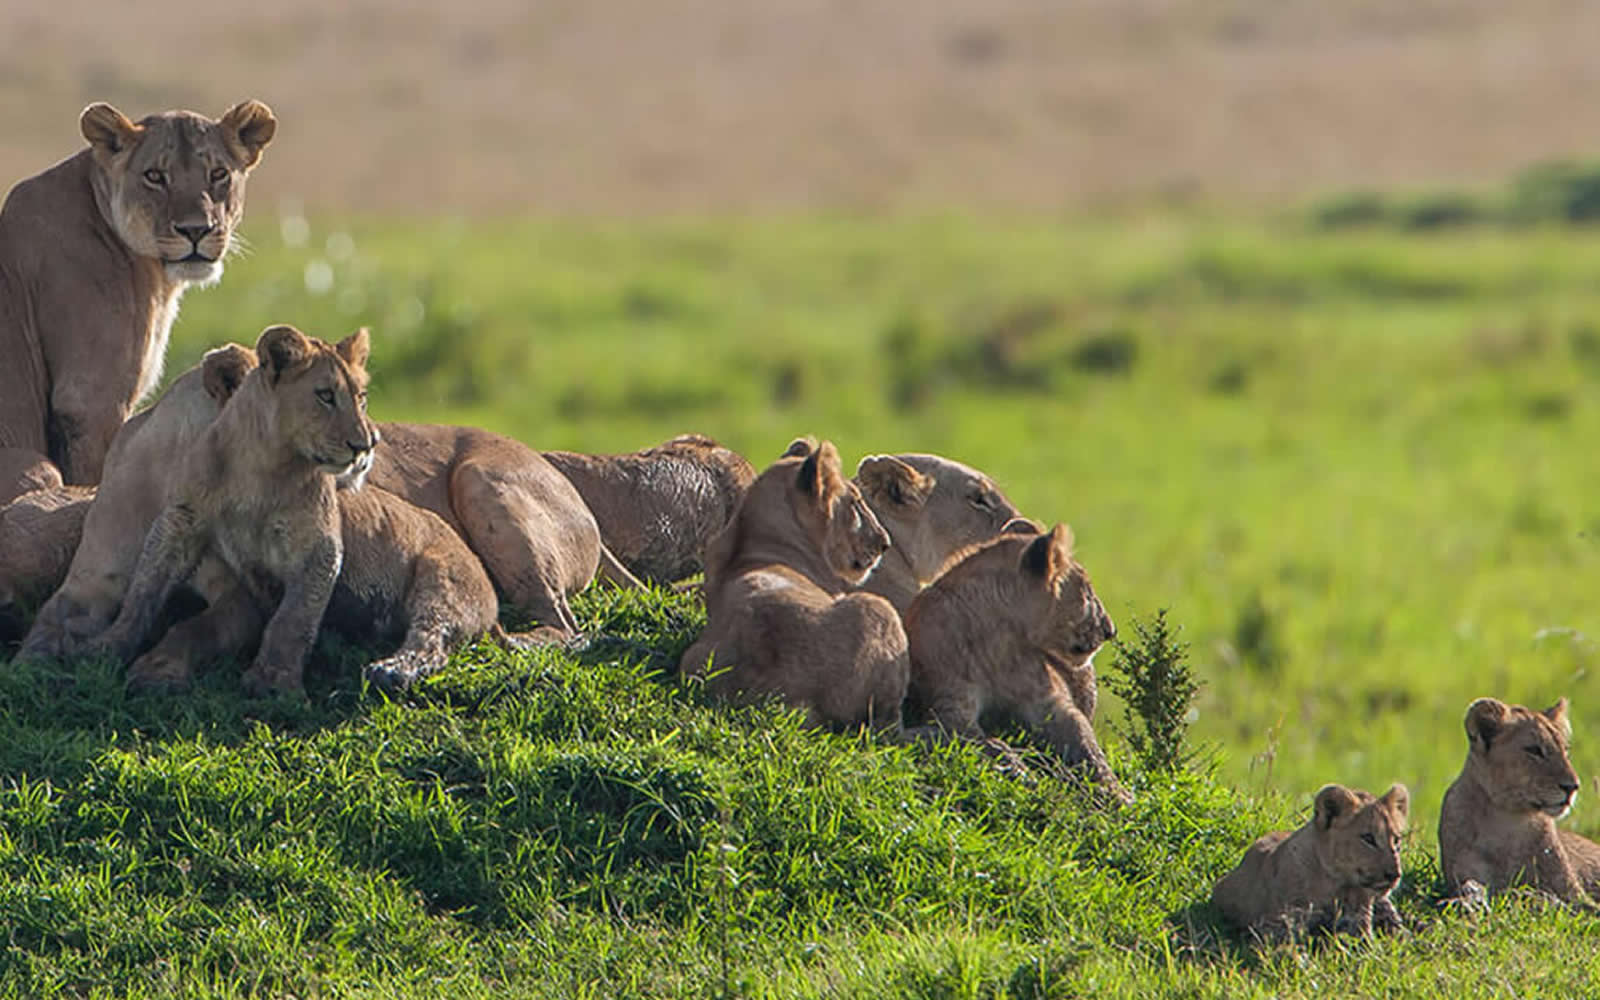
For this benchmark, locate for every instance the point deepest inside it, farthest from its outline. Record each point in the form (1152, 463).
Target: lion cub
(1011, 629)
(1497, 826)
(780, 621)
(1333, 873)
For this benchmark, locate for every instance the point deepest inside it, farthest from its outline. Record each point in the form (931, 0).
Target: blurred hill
(622, 107)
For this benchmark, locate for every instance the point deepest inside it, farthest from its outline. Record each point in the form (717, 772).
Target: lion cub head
(172, 185)
(1519, 757)
(1357, 837)
(834, 513)
(1037, 589)
(318, 394)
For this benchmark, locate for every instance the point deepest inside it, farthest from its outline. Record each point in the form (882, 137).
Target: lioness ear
(1332, 802)
(891, 480)
(800, 448)
(108, 130)
(281, 349)
(1398, 800)
(1050, 555)
(247, 128)
(1557, 713)
(1484, 719)
(820, 475)
(224, 369)
(1022, 526)
(356, 348)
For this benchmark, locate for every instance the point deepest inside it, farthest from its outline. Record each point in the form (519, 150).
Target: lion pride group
(255, 504)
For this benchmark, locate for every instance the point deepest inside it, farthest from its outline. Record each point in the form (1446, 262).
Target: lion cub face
(1519, 757)
(1358, 837)
(320, 396)
(834, 511)
(172, 185)
(1056, 604)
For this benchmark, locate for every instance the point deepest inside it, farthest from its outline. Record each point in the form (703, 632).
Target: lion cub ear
(892, 481)
(247, 127)
(1398, 801)
(820, 475)
(1050, 555)
(108, 130)
(1332, 802)
(1484, 719)
(225, 368)
(1557, 714)
(800, 447)
(282, 349)
(356, 348)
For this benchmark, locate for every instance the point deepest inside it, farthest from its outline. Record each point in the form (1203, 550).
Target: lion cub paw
(261, 681)
(158, 673)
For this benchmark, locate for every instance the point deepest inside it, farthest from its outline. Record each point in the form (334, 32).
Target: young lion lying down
(1334, 873)
(780, 621)
(258, 493)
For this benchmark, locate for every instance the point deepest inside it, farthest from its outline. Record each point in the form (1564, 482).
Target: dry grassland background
(626, 107)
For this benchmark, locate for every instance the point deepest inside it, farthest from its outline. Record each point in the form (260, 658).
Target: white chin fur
(196, 272)
(354, 475)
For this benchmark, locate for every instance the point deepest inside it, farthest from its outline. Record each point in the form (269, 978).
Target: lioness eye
(156, 177)
(219, 174)
(1535, 750)
(1371, 841)
(326, 396)
(980, 500)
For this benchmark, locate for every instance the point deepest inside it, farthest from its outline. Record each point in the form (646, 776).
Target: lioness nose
(357, 447)
(194, 232)
(1570, 787)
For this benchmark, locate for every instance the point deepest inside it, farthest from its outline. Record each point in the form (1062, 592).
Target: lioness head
(172, 185)
(1358, 836)
(1519, 757)
(319, 394)
(834, 512)
(931, 506)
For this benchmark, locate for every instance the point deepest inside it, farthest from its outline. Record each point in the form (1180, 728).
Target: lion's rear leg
(23, 470)
(513, 531)
(450, 602)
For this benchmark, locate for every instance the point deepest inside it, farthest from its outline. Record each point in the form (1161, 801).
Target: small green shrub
(1153, 679)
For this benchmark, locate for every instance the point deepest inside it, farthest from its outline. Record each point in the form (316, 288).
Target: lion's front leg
(81, 426)
(279, 665)
(1070, 734)
(172, 548)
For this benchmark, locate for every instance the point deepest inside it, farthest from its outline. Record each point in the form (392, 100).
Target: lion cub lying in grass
(1011, 629)
(257, 492)
(780, 620)
(1497, 827)
(1333, 873)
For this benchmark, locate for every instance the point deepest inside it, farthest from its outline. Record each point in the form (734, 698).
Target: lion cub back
(1335, 872)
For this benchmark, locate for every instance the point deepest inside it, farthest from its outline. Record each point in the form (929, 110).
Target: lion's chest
(264, 551)
(163, 313)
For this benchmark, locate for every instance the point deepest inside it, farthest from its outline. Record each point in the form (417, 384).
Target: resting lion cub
(1334, 873)
(1497, 826)
(95, 253)
(1012, 629)
(780, 621)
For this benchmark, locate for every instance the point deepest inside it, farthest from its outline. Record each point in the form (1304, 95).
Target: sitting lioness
(780, 621)
(112, 519)
(932, 508)
(1497, 826)
(659, 508)
(1333, 873)
(95, 253)
(1011, 629)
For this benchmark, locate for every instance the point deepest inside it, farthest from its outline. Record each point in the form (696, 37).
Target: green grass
(1355, 466)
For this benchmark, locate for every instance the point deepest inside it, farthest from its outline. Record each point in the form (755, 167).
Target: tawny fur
(94, 255)
(780, 620)
(1010, 630)
(659, 508)
(1497, 826)
(932, 508)
(1333, 873)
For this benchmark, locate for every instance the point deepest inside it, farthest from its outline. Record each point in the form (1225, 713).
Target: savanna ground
(1350, 460)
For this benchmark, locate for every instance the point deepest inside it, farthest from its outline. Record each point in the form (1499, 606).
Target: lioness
(38, 531)
(1497, 826)
(95, 253)
(118, 515)
(257, 492)
(659, 508)
(1333, 873)
(932, 508)
(1011, 629)
(779, 619)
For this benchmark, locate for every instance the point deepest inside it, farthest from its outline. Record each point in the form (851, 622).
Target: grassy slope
(1349, 464)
